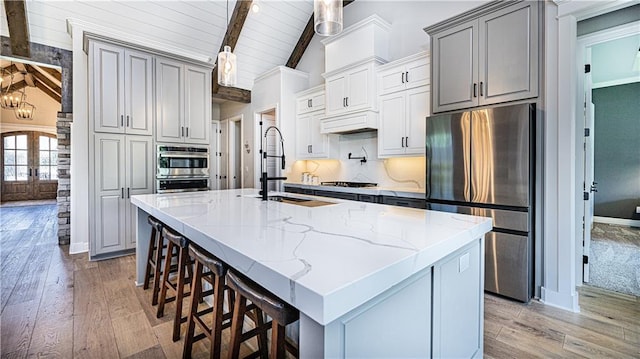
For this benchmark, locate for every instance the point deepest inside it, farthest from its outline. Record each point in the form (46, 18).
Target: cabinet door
(458, 304)
(138, 93)
(106, 88)
(508, 54)
(391, 80)
(417, 102)
(303, 105)
(303, 144)
(417, 73)
(319, 142)
(139, 178)
(455, 53)
(198, 104)
(317, 101)
(391, 130)
(109, 194)
(169, 100)
(360, 87)
(335, 95)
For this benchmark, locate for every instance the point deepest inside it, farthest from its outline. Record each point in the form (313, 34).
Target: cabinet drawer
(405, 202)
(367, 198)
(340, 195)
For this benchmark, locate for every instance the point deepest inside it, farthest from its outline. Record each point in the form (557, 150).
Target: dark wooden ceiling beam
(305, 40)
(53, 72)
(42, 87)
(18, 27)
(16, 86)
(44, 79)
(240, 12)
(11, 69)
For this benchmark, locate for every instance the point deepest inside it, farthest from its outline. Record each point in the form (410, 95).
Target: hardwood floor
(60, 305)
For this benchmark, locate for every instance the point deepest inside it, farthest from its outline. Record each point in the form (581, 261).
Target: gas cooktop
(349, 184)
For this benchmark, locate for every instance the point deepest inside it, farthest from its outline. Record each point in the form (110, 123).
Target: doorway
(263, 120)
(226, 153)
(29, 166)
(611, 167)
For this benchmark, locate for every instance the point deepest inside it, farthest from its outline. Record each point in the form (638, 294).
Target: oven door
(182, 164)
(182, 185)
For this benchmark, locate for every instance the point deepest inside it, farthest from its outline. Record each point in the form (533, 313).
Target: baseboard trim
(566, 301)
(618, 221)
(77, 248)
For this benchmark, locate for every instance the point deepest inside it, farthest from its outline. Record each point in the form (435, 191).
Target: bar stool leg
(152, 243)
(183, 263)
(237, 320)
(277, 341)
(262, 334)
(196, 292)
(158, 272)
(165, 278)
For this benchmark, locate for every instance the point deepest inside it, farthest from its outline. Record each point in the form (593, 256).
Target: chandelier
(10, 98)
(327, 17)
(25, 110)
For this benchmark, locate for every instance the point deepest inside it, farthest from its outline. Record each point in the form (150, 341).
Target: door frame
(584, 44)
(235, 149)
(257, 137)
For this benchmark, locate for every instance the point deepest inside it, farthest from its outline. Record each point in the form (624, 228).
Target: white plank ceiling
(266, 40)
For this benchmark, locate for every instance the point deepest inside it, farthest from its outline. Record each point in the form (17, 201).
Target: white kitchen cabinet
(124, 167)
(401, 129)
(310, 143)
(403, 74)
(120, 89)
(351, 90)
(458, 304)
(489, 59)
(183, 102)
(311, 102)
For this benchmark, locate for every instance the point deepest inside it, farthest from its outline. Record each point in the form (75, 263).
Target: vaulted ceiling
(19, 75)
(267, 39)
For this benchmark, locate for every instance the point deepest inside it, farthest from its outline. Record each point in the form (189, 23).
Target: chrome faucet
(264, 179)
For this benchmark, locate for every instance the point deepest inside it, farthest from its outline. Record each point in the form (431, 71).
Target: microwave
(182, 162)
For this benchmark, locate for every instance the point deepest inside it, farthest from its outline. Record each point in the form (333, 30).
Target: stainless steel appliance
(182, 168)
(481, 162)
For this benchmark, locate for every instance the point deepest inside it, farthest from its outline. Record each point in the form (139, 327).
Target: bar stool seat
(154, 258)
(212, 270)
(280, 312)
(185, 273)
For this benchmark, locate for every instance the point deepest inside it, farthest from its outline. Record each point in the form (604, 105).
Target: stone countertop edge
(403, 192)
(315, 298)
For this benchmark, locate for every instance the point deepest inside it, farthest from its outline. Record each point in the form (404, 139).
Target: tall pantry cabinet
(135, 99)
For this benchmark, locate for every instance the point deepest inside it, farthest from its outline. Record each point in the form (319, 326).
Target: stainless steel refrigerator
(481, 162)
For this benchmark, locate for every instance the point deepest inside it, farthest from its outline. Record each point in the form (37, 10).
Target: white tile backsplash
(405, 172)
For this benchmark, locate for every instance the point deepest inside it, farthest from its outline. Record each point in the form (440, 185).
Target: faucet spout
(264, 179)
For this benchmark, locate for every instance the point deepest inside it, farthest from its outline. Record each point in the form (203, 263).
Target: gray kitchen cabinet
(458, 304)
(401, 129)
(490, 58)
(183, 102)
(120, 89)
(124, 167)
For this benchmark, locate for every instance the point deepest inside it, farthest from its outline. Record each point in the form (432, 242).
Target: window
(16, 164)
(48, 158)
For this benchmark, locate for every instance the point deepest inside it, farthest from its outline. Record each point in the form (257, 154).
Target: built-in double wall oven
(182, 168)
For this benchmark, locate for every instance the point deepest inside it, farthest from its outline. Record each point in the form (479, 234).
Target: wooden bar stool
(281, 314)
(175, 240)
(212, 270)
(154, 258)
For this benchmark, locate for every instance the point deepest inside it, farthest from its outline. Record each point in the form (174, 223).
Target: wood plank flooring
(63, 306)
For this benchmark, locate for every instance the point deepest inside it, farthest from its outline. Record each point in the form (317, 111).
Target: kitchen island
(369, 279)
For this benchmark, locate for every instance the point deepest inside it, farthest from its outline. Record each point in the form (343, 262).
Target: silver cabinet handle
(181, 131)
(121, 120)
(310, 148)
(406, 76)
(403, 77)
(187, 131)
(475, 90)
(481, 86)
(127, 120)
(347, 99)
(402, 142)
(122, 192)
(128, 194)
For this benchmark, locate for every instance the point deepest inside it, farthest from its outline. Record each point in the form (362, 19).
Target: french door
(29, 166)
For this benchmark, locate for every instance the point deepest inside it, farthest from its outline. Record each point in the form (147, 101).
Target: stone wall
(64, 177)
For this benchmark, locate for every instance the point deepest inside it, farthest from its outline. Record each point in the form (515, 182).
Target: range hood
(350, 123)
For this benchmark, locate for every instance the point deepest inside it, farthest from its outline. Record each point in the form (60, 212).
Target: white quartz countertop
(324, 260)
(405, 192)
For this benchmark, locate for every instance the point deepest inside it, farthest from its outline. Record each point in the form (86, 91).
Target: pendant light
(24, 110)
(227, 66)
(327, 17)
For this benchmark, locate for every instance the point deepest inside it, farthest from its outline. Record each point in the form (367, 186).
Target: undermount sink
(307, 202)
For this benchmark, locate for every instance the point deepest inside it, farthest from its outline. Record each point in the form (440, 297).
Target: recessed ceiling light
(255, 7)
